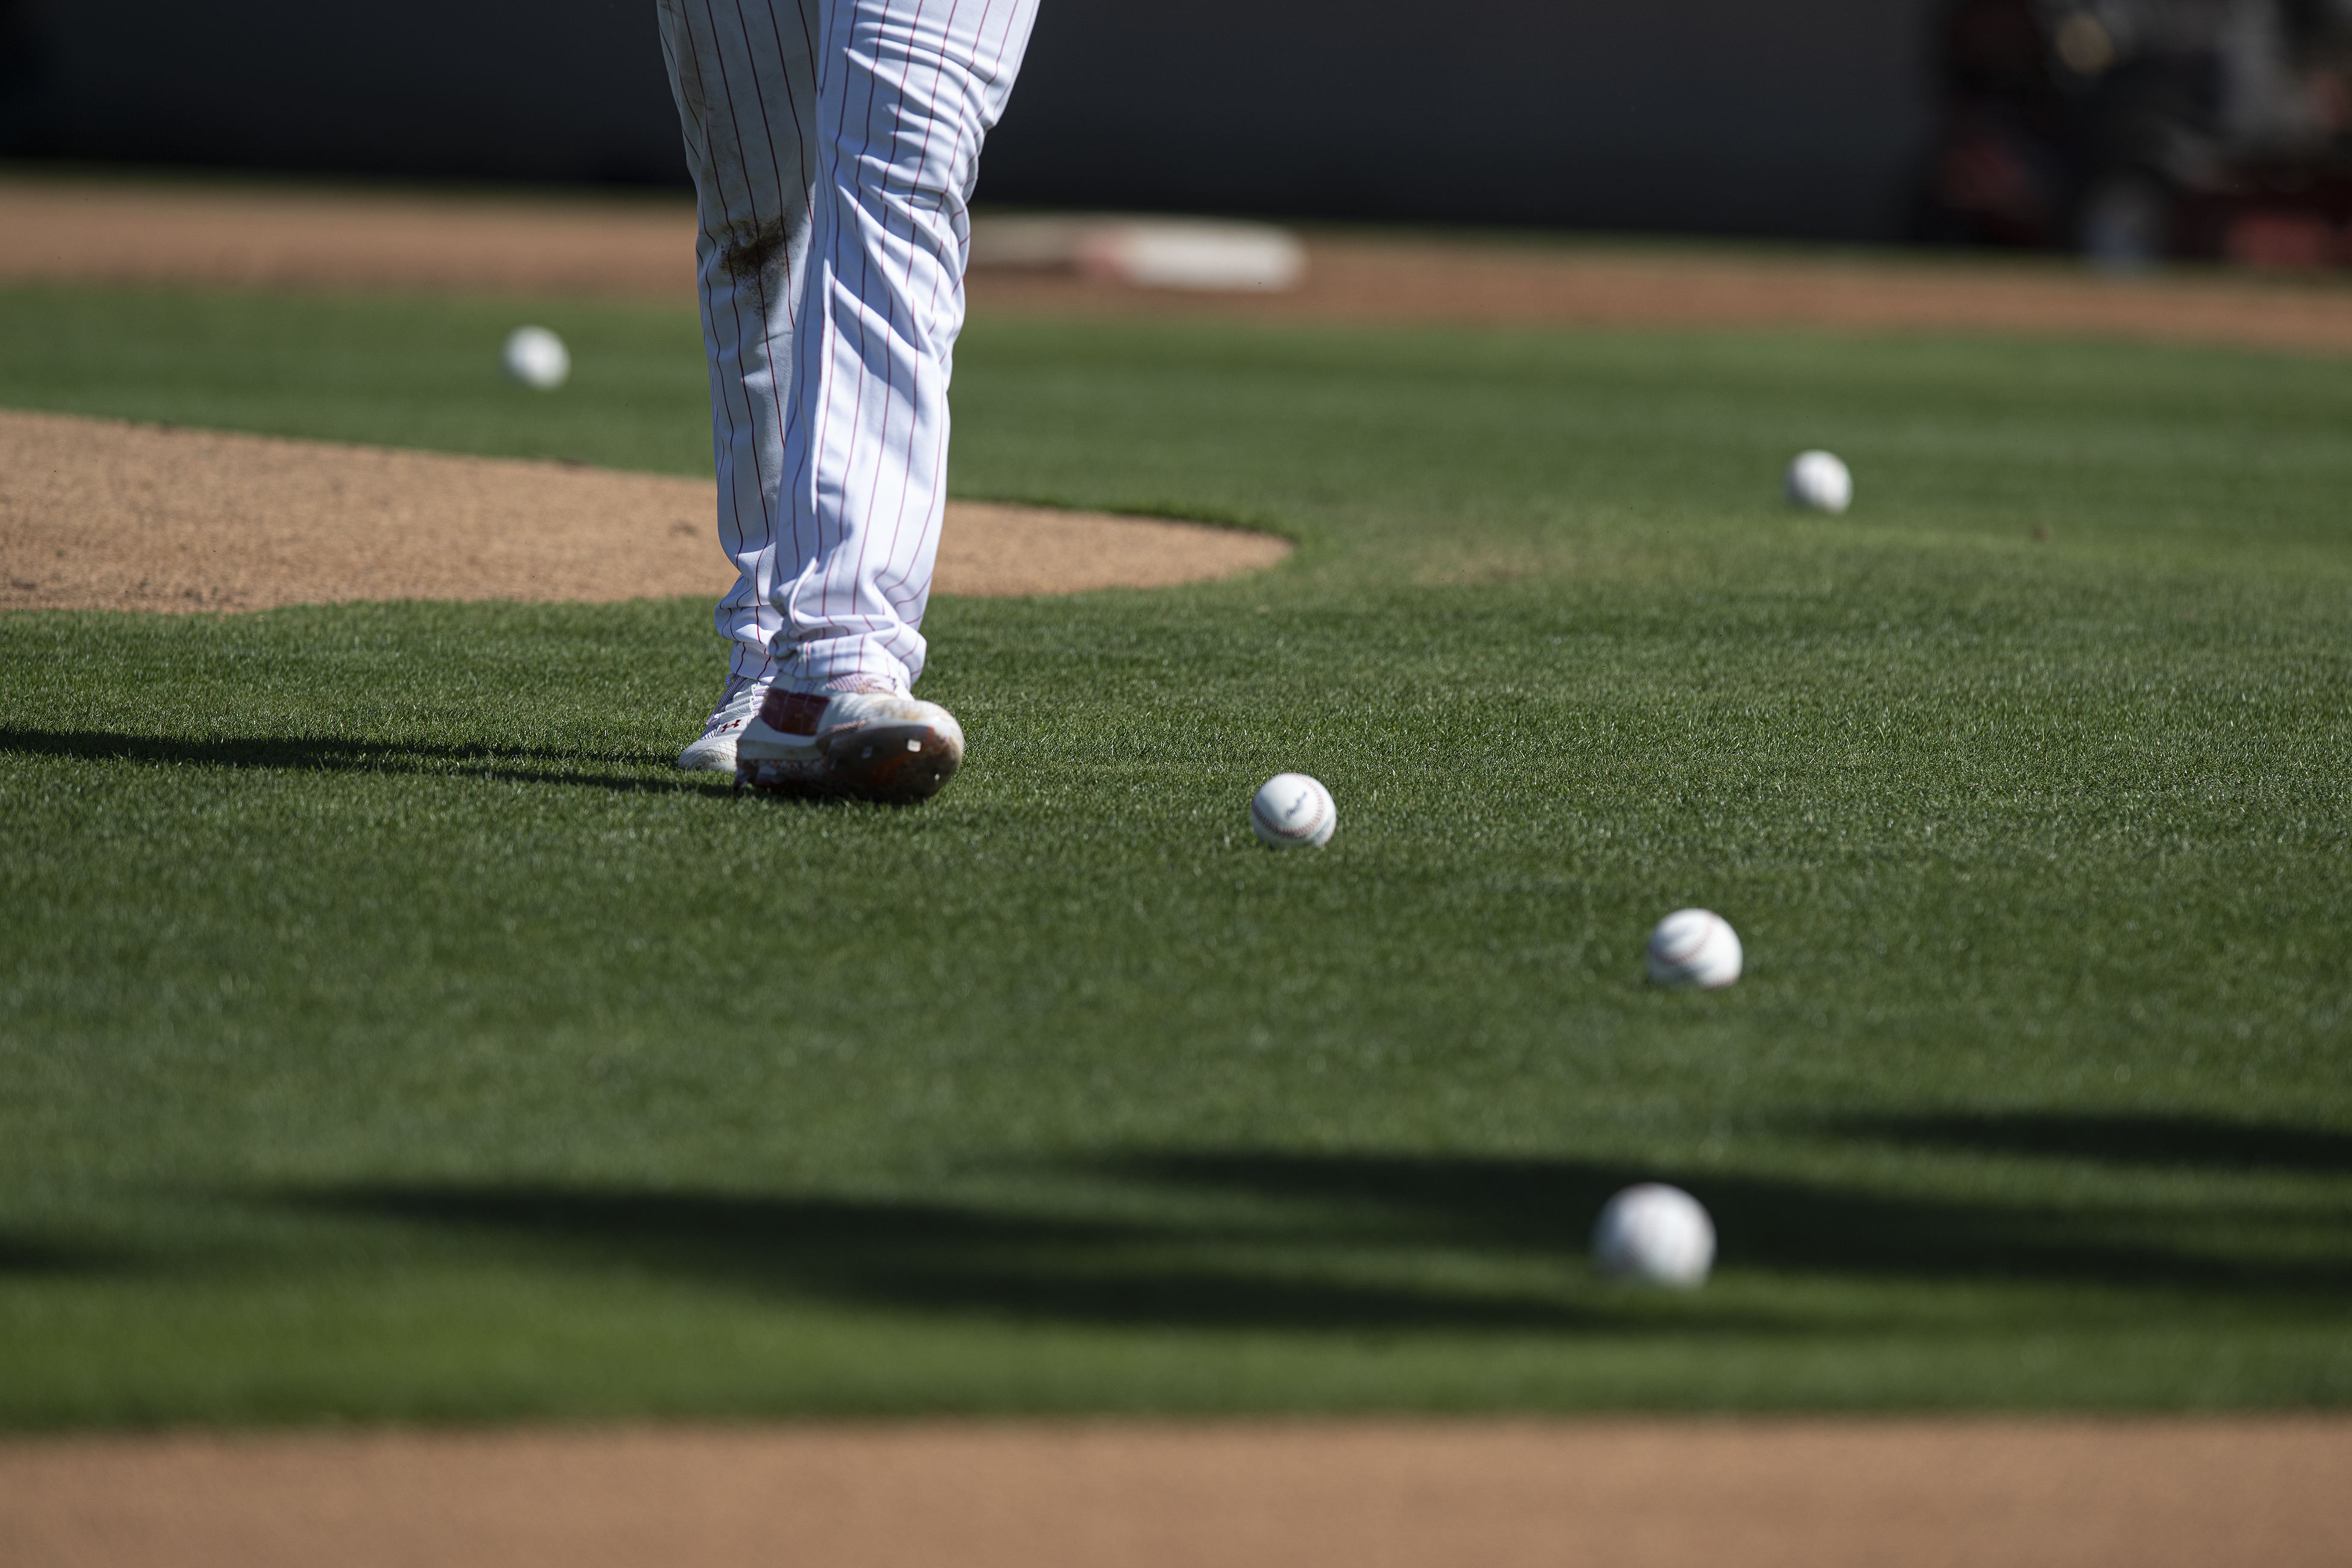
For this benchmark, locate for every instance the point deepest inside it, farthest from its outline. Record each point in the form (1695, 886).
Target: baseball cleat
(882, 746)
(713, 752)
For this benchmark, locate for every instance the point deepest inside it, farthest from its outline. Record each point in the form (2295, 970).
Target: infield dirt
(1646, 1494)
(87, 231)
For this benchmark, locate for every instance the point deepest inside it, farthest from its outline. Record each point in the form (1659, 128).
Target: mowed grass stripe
(387, 1032)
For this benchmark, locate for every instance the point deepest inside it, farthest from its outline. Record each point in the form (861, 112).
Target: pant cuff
(810, 665)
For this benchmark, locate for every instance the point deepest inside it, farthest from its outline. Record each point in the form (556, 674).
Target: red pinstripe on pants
(834, 145)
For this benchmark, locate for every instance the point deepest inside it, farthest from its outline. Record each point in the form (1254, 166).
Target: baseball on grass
(537, 357)
(1820, 482)
(1694, 947)
(1291, 809)
(1654, 1235)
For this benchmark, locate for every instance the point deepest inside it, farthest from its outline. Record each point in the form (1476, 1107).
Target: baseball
(1291, 809)
(1819, 482)
(1654, 1235)
(1694, 947)
(537, 357)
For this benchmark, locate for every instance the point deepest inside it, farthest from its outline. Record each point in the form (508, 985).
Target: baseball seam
(1257, 816)
(1686, 954)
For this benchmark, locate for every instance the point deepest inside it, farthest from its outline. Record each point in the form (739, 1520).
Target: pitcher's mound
(98, 514)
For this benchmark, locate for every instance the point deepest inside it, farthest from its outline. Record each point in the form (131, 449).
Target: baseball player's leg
(744, 73)
(907, 90)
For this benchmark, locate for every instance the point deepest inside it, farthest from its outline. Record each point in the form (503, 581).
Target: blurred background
(2131, 130)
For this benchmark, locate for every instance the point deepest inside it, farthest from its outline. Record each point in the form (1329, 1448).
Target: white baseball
(1694, 947)
(1654, 1235)
(1291, 809)
(1820, 482)
(537, 357)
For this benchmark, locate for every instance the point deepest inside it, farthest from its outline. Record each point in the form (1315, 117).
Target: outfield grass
(386, 1032)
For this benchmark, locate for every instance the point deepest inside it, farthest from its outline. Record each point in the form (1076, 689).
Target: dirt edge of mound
(108, 515)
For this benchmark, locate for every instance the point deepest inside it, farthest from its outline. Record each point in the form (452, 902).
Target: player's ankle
(872, 685)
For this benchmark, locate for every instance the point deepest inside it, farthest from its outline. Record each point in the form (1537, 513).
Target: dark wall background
(499, 90)
(1773, 117)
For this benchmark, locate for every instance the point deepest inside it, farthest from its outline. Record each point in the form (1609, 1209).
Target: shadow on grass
(24, 1257)
(296, 754)
(1359, 1242)
(1547, 1206)
(926, 1257)
(2190, 1142)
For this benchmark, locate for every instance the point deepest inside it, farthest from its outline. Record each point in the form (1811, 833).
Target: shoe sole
(891, 765)
(701, 758)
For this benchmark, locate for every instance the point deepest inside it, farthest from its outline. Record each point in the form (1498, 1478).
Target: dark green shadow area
(926, 1259)
(298, 754)
(23, 1256)
(2166, 1141)
(1313, 1219)
(1538, 1206)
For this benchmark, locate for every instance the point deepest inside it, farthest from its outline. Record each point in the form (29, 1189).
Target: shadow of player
(324, 754)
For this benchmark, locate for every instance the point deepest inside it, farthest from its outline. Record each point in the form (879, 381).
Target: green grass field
(387, 1032)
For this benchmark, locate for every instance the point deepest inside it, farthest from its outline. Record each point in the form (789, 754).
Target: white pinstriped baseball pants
(834, 145)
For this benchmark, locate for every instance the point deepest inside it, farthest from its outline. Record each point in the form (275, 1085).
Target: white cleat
(881, 746)
(713, 752)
